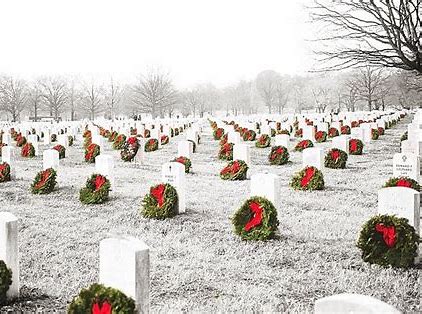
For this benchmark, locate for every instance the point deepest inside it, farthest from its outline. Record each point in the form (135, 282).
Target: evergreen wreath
(4, 172)
(249, 135)
(375, 134)
(20, 140)
(5, 281)
(284, 131)
(119, 141)
(302, 145)
(320, 136)
(235, 170)
(279, 155)
(355, 146)
(98, 299)
(299, 133)
(224, 139)
(218, 133)
(403, 182)
(70, 140)
(345, 130)
(273, 132)
(381, 131)
(263, 141)
(193, 145)
(164, 139)
(161, 202)
(176, 131)
(309, 178)
(130, 149)
(403, 137)
(151, 145)
(61, 150)
(44, 182)
(336, 159)
(147, 133)
(332, 132)
(112, 136)
(28, 150)
(184, 161)
(226, 152)
(53, 138)
(388, 241)
(354, 124)
(87, 133)
(133, 131)
(91, 151)
(96, 190)
(256, 220)
(87, 142)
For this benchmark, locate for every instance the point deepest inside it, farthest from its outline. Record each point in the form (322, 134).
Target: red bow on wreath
(99, 182)
(44, 176)
(404, 183)
(257, 216)
(158, 193)
(309, 173)
(104, 309)
(388, 234)
(132, 140)
(335, 155)
(353, 146)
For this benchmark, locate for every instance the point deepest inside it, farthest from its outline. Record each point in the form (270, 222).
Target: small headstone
(406, 165)
(309, 133)
(174, 174)
(104, 165)
(282, 140)
(8, 155)
(51, 159)
(242, 152)
(341, 142)
(266, 185)
(185, 149)
(313, 157)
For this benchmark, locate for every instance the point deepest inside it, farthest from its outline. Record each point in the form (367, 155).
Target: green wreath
(226, 152)
(193, 145)
(176, 131)
(403, 137)
(61, 150)
(374, 134)
(249, 135)
(224, 139)
(403, 182)
(302, 145)
(388, 241)
(87, 133)
(119, 141)
(332, 132)
(4, 172)
(321, 136)
(96, 190)
(130, 149)
(299, 133)
(164, 140)
(381, 131)
(355, 146)
(91, 151)
(345, 129)
(99, 295)
(279, 155)
(336, 159)
(44, 182)
(151, 145)
(70, 140)
(308, 179)
(184, 161)
(160, 202)
(263, 141)
(20, 140)
(53, 138)
(256, 219)
(28, 150)
(284, 131)
(218, 133)
(273, 132)
(5, 281)
(112, 136)
(235, 170)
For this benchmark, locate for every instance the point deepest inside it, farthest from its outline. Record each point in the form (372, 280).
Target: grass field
(197, 263)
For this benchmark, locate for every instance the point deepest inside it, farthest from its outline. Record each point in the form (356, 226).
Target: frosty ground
(197, 263)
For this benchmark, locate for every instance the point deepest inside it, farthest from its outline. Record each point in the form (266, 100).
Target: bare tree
(350, 94)
(154, 93)
(55, 95)
(379, 32)
(92, 100)
(191, 99)
(113, 98)
(282, 92)
(266, 84)
(13, 96)
(35, 99)
(73, 99)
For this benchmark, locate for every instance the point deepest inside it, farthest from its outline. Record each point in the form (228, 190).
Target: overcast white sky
(220, 41)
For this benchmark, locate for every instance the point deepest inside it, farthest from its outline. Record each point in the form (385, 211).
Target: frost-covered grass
(197, 263)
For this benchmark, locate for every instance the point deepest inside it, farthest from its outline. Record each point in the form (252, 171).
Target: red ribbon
(404, 183)
(388, 234)
(99, 182)
(132, 140)
(353, 146)
(158, 193)
(309, 173)
(256, 220)
(104, 309)
(335, 155)
(44, 176)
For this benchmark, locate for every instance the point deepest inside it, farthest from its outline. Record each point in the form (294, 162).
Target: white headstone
(242, 152)
(313, 156)
(64, 140)
(104, 165)
(341, 142)
(155, 133)
(8, 155)
(9, 250)
(282, 140)
(406, 165)
(233, 137)
(309, 133)
(124, 265)
(266, 185)
(185, 149)
(174, 173)
(51, 159)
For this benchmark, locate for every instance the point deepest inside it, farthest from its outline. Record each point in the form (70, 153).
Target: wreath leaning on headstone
(256, 219)
(355, 146)
(332, 132)
(388, 241)
(185, 161)
(309, 178)
(279, 155)
(160, 202)
(164, 139)
(249, 135)
(98, 299)
(4, 172)
(218, 133)
(96, 190)
(70, 140)
(130, 149)
(321, 136)
(403, 182)
(151, 145)
(28, 150)
(91, 151)
(336, 159)
(226, 152)
(44, 182)
(375, 134)
(263, 141)
(235, 170)
(302, 145)
(61, 150)
(119, 141)
(5, 281)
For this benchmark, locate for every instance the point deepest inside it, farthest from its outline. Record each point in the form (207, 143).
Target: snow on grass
(197, 263)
